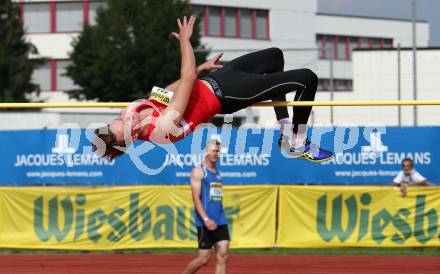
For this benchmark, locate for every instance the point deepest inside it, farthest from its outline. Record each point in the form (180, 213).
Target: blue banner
(364, 156)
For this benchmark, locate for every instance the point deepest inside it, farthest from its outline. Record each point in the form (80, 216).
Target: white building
(235, 27)
(365, 33)
(376, 78)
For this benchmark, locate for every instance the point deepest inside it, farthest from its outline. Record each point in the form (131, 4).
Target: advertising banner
(127, 217)
(334, 216)
(365, 156)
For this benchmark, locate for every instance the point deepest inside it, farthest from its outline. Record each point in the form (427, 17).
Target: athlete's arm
(196, 186)
(169, 120)
(188, 74)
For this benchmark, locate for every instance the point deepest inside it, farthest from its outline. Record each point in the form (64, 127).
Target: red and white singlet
(202, 106)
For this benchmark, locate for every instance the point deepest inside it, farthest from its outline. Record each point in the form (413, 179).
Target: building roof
(370, 17)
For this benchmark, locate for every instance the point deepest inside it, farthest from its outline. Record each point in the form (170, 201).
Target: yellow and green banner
(163, 216)
(127, 217)
(319, 216)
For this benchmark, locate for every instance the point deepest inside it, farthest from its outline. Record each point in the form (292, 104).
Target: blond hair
(212, 142)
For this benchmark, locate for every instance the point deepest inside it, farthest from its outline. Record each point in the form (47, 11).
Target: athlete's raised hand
(211, 64)
(186, 27)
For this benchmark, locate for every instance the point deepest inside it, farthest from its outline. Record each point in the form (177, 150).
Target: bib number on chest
(161, 95)
(216, 192)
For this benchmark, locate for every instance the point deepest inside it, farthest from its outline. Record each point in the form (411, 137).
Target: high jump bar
(262, 104)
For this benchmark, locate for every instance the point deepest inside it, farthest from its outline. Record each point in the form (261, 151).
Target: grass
(409, 251)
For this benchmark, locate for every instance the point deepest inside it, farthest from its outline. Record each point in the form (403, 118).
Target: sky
(427, 10)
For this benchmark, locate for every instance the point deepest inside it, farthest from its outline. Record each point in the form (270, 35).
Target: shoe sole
(310, 160)
(317, 161)
(295, 157)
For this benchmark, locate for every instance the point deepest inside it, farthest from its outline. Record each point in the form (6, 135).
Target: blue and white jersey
(211, 196)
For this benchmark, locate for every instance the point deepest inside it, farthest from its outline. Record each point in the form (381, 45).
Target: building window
(321, 43)
(341, 85)
(60, 16)
(64, 82)
(321, 86)
(41, 76)
(214, 21)
(341, 52)
(69, 16)
(199, 12)
(353, 44)
(377, 43)
(234, 22)
(36, 17)
(230, 22)
(330, 46)
(364, 43)
(349, 85)
(51, 76)
(388, 43)
(245, 23)
(338, 85)
(93, 7)
(262, 23)
(342, 46)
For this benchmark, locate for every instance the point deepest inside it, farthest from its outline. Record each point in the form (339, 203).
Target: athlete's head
(407, 165)
(212, 151)
(117, 135)
(106, 144)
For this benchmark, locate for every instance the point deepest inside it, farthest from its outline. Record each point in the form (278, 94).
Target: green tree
(129, 50)
(16, 67)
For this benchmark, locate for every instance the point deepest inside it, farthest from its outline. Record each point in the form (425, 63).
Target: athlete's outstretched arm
(196, 186)
(188, 73)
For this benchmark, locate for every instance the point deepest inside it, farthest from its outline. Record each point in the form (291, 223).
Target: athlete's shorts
(208, 238)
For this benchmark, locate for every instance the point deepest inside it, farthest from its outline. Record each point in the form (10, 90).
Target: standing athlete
(172, 113)
(212, 226)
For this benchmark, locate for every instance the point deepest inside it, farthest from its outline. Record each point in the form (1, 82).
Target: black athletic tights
(260, 76)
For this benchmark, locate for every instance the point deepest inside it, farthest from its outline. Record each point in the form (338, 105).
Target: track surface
(140, 263)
